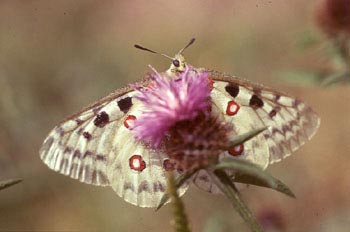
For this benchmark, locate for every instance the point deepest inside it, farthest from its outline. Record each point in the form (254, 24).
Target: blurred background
(58, 56)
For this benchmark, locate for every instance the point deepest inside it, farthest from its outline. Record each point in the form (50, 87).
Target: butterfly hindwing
(137, 173)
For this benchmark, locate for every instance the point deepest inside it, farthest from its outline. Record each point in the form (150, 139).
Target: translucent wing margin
(79, 146)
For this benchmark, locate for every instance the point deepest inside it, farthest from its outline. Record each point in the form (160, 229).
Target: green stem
(179, 181)
(180, 218)
(336, 79)
(223, 182)
(7, 183)
(342, 45)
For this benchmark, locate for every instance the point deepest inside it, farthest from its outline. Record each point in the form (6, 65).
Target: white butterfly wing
(141, 169)
(249, 106)
(77, 148)
(255, 150)
(96, 147)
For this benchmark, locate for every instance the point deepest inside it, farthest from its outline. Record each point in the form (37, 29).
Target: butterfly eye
(176, 63)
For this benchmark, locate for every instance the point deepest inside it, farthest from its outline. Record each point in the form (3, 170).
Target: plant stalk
(180, 219)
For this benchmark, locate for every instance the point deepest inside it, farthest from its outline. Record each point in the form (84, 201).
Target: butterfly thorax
(178, 65)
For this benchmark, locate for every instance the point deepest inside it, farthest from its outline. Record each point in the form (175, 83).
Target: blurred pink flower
(333, 17)
(170, 100)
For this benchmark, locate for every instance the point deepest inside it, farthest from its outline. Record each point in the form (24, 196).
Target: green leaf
(249, 173)
(246, 136)
(180, 180)
(336, 78)
(224, 183)
(7, 183)
(278, 185)
(307, 39)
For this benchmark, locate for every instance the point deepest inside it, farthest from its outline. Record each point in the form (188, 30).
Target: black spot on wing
(274, 111)
(78, 121)
(128, 186)
(101, 119)
(87, 135)
(143, 187)
(125, 104)
(67, 150)
(59, 130)
(158, 187)
(88, 154)
(232, 89)
(77, 154)
(101, 158)
(256, 102)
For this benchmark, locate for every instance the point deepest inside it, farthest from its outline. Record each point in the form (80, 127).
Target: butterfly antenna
(151, 51)
(189, 44)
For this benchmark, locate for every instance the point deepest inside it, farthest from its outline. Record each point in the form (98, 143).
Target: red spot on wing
(168, 165)
(211, 83)
(237, 150)
(232, 108)
(209, 109)
(137, 163)
(128, 122)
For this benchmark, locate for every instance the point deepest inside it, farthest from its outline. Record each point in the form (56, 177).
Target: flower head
(197, 142)
(333, 17)
(168, 101)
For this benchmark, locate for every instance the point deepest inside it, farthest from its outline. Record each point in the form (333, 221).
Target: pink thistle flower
(169, 101)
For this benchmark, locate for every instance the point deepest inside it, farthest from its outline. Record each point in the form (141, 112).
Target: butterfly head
(178, 64)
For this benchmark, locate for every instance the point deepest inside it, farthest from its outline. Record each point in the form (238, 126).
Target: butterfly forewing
(79, 146)
(290, 122)
(247, 106)
(97, 147)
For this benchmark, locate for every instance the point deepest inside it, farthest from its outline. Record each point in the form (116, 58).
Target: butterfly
(96, 146)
